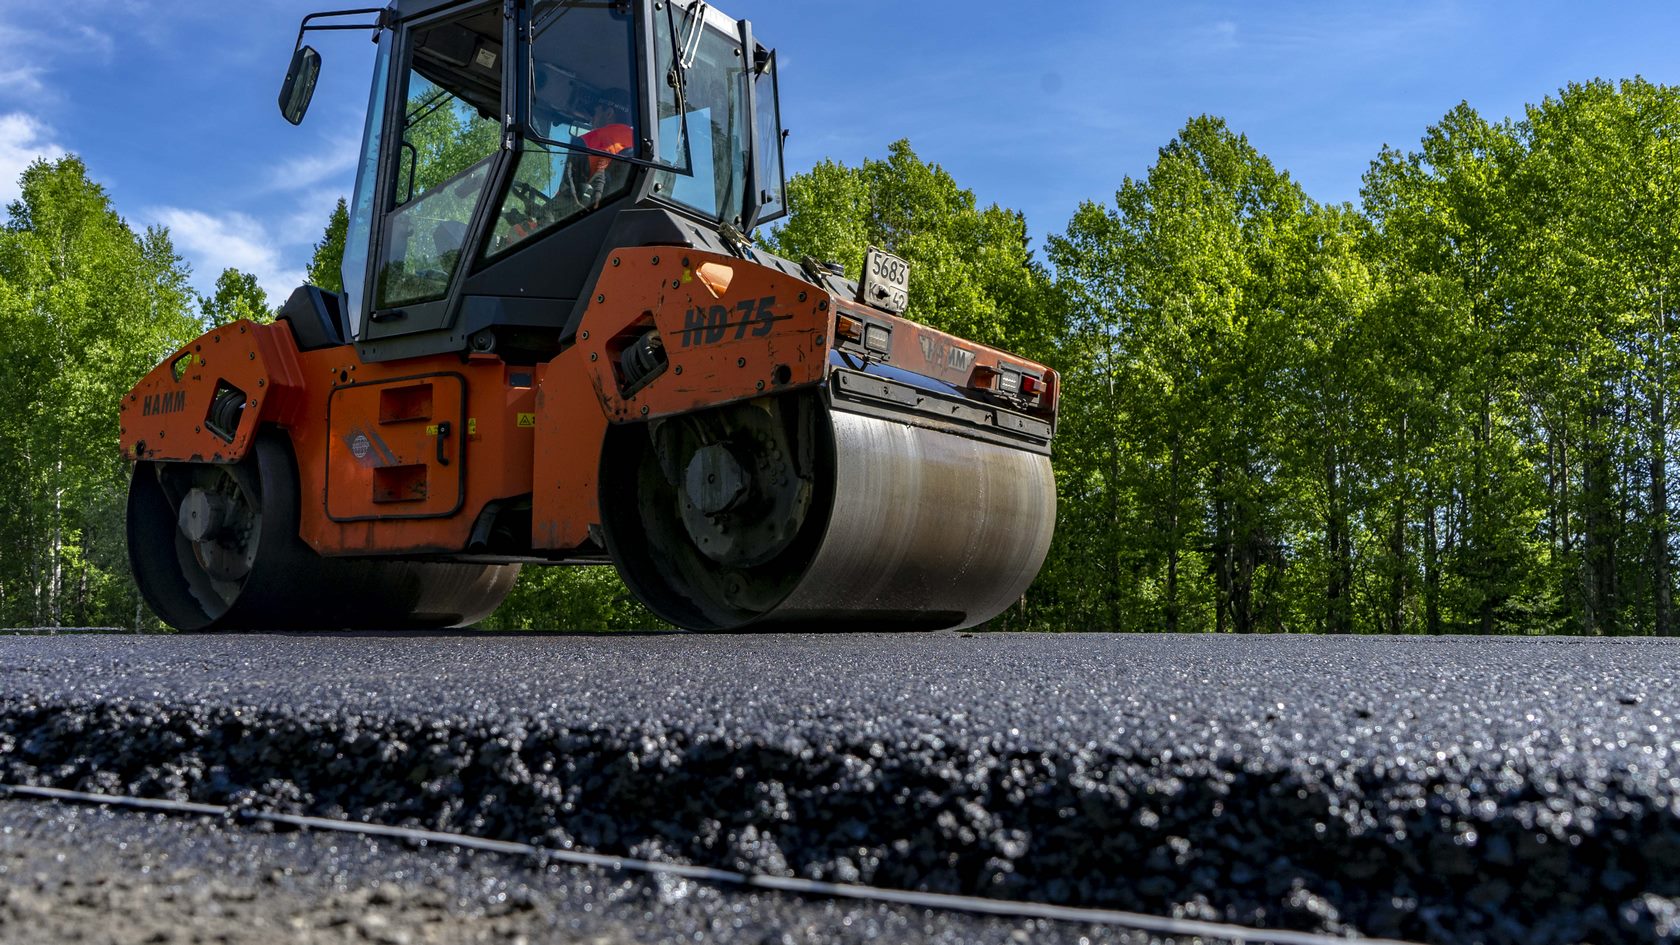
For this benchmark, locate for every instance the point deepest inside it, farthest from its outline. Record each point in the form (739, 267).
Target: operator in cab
(612, 134)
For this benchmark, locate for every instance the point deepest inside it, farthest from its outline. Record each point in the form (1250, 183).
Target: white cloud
(22, 140)
(22, 82)
(214, 242)
(96, 41)
(22, 65)
(312, 169)
(266, 248)
(42, 40)
(305, 225)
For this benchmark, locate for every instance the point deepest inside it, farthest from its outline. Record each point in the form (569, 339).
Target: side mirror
(299, 86)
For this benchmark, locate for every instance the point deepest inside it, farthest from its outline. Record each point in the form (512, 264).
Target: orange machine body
(405, 457)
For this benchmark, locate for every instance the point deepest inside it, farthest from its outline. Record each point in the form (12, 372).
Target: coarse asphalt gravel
(78, 874)
(1443, 790)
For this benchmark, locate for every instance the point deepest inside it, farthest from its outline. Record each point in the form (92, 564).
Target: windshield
(715, 105)
(353, 271)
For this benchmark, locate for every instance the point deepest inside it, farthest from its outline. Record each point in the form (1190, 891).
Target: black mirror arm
(309, 25)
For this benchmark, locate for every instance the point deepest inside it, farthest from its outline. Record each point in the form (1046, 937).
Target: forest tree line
(1443, 409)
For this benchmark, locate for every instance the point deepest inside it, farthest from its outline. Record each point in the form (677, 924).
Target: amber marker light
(715, 276)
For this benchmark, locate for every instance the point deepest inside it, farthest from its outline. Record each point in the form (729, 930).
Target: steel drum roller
(926, 523)
(906, 527)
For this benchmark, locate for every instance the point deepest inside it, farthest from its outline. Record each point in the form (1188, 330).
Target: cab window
(714, 115)
(449, 134)
(582, 120)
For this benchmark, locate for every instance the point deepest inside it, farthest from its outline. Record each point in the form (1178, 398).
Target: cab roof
(408, 9)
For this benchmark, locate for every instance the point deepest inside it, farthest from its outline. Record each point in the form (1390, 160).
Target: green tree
(236, 296)
(1183, 296)
(572, 598)
(326, 266)
(86, 307)
(1332, 440)
(1600, 191)
(1446, 220)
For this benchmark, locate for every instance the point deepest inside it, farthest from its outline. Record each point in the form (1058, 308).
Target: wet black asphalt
(1450, 790)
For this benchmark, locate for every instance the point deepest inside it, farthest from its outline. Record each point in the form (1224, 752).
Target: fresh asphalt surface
(78, 874)
(1451, 790)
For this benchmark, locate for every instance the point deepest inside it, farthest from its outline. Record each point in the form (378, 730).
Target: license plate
(886, 281)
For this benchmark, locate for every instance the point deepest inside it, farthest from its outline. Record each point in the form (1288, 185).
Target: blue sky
(1033, 106)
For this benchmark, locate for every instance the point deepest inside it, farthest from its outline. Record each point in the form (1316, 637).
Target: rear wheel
(215, 547)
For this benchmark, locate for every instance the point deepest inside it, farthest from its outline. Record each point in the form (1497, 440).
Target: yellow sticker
(431, 429)
(472, 426)
(527, 419)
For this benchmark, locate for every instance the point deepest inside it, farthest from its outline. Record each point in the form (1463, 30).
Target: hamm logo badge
(943, 354)
(172, 402)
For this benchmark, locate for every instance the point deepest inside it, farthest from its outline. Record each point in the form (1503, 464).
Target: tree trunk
(1598, 551)
(1431, 570)
(1398, 568)
(1173, 537)
(55, 583)
(1661, 572)
(1249, 550)
(1340, 563)
(1552, 517)
(1564, 508)
(1110, 542)
(1489, 570)
(1221, 562)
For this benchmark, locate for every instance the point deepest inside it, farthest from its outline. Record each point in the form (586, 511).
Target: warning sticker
(527, 419)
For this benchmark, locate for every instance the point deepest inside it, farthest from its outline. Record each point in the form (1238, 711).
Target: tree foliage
(236, 296)
(87, 305)
(590, 598)
(1208, 297)
(326, 265)
(1446, 409)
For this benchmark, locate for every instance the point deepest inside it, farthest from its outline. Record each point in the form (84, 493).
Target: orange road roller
(557, 344)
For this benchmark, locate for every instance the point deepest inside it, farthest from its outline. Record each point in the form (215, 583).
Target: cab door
(443, 149)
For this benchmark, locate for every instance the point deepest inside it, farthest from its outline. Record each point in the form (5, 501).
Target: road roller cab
(558, 345)
(510, 146)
